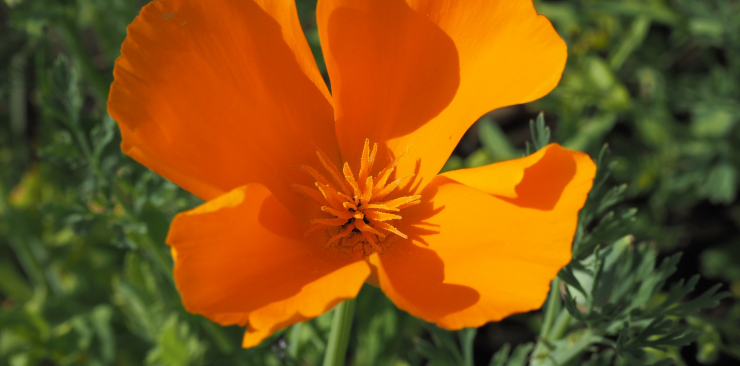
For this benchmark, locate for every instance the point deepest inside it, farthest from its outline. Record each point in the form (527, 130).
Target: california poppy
(224, 98)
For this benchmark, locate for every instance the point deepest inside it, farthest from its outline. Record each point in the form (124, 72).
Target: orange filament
(359, 217)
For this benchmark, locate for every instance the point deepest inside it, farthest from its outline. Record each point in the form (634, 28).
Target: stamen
(377, 206)
(396, 203)
(386, 173)
(382, 179)
(390, 187)
(351, 180)
(340, 214)
(367, 160)
(346, 197)
(388, 227)
(365, 228)
(330, 222)
(329, 166)
(367, 194)
(331, 197)
(358, 218)
(315, 174)
(318, 197)
(381, 216)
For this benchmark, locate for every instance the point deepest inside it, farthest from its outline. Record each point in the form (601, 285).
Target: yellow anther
(359, 215)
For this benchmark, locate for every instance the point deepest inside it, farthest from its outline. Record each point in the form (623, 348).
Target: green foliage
(662, 71)
(85, 277)
(540, 134)
(516, 358)
(610, 302)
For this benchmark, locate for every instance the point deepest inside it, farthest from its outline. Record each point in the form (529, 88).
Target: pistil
(360, 216)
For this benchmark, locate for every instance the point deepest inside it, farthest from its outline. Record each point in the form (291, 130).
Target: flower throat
(361, 216)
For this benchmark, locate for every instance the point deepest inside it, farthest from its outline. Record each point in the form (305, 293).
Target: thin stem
(553, 303)
(341, 326)
(542, 350)
(295, 335)
(560, 326)
(567, 354)
(467, 336)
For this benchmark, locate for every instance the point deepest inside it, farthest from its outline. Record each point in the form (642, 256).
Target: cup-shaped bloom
(309, 194)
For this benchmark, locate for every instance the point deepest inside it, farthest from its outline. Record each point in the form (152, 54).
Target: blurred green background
(84, 272)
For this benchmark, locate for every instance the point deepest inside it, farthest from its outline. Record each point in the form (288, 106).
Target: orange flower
(224, 98)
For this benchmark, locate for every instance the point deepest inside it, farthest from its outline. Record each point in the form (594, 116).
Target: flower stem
(553, 306)
(542, 349)
(560, 326)
(295, 335)
(341, 326)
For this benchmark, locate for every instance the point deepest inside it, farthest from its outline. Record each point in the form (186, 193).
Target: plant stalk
(542, 349)
(341, 327)
(553, 305)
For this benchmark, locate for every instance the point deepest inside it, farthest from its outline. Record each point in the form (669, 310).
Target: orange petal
(216, 94)
(241, 258)
(502, 179)
(311, 193)
(417, 73)
(472, 257)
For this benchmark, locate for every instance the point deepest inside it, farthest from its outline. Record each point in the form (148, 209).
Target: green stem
(467, 336)
(560, 326)
(542, 350)
(574, 350)
(341, 326)
(295, 335)
(553, 303)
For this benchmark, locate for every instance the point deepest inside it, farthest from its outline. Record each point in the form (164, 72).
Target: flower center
(360, 215)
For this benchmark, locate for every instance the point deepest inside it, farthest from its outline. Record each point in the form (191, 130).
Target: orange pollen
(359, 214)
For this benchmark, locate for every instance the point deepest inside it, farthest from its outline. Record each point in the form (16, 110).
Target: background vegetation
(85, 276)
